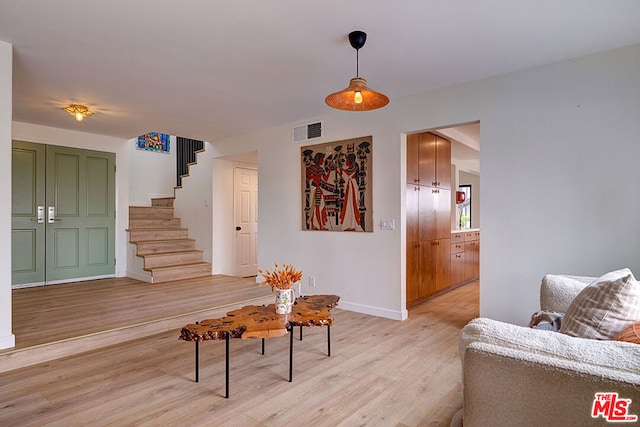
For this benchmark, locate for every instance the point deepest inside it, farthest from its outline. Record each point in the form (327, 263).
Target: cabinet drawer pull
(416, 180)
(458, 256)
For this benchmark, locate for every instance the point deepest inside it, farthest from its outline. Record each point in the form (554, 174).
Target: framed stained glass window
(154, 141)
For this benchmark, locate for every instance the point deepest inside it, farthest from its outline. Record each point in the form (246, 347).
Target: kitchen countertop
(466, 230)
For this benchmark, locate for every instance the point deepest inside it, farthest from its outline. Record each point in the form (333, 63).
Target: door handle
(52, 215)
(238, 228)
(40, 215)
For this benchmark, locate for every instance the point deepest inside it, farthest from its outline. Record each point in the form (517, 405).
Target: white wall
(222, 221)
(68, 138)
(152, 174)
(7, 339)
(559, 154)
(193, 202)
(559, 148)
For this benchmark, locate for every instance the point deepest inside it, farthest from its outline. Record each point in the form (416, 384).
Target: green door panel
(98, 246)
(66, 250)
(98, 175)
(63, 183)
(27, 193)
(23, 257)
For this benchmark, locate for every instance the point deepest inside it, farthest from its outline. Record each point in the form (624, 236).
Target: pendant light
(357, 97)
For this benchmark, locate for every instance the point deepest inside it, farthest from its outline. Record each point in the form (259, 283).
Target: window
(464, 209)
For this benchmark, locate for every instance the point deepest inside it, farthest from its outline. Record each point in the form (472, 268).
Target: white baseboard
(57, 282)
(7, 341)
(373, 311)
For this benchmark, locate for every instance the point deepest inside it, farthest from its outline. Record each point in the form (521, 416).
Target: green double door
(63, 214)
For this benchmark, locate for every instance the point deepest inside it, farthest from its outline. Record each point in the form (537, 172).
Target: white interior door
(246, 219)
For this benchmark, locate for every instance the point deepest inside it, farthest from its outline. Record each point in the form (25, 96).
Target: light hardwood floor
(381, 373)
(50, 313)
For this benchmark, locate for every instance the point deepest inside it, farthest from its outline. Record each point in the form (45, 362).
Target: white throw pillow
(604, 308)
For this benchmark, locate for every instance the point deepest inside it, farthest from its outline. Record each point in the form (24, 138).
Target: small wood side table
(254, 321)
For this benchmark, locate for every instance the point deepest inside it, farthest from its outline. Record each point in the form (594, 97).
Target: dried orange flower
(283, 278)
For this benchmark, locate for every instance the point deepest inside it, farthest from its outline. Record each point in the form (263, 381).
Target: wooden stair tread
(181, 239)
(150, 207)
(180, 266)
(166, 240)
(172, 252)
(151, 234)
(158, 229)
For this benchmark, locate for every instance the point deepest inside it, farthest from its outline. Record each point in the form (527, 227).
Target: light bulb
(79, 116)
(357, 98)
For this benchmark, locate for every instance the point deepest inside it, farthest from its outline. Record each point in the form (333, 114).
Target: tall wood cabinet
(428, 207)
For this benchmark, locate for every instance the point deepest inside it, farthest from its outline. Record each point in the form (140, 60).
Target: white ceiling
(208, 69)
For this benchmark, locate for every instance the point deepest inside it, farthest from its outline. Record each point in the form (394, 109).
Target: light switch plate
(388, 224)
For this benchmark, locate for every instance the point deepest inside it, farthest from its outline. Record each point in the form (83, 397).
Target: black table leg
(291, 353)
(227, 367)
(300, 332)
(328, 340)
(197, 362)
(197, 359)
(263, 346)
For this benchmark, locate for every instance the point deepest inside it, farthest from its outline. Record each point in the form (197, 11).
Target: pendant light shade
(357, 96)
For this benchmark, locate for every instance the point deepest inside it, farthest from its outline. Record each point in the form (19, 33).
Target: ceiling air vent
(307, 132)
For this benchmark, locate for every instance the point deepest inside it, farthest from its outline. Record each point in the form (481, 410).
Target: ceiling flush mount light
(357, 97)
(78, 111)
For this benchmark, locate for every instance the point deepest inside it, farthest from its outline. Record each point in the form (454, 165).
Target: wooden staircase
(168, 252)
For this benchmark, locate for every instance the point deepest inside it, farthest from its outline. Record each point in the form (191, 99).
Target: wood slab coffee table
(255, 321)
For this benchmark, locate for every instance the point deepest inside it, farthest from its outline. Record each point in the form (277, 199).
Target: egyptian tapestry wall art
(336, 185)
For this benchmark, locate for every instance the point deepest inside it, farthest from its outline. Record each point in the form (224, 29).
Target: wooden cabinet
(413, 271)
(472, 248)
(428, 241)
(465, 256)
(441, 263)
(457, 237)
(428, 160)
(428, 216)
(457, 258)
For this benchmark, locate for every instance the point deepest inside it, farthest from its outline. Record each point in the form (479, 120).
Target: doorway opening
(235, 214)
(443, 171)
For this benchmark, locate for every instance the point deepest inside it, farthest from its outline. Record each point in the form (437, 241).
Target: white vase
(284, 300)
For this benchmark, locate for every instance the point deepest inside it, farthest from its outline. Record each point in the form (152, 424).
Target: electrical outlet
(312, 281)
